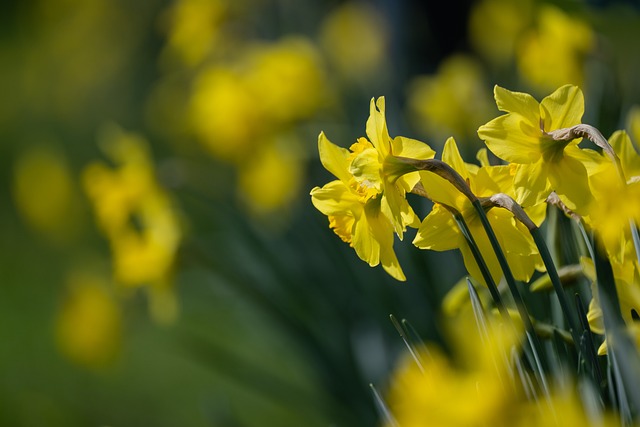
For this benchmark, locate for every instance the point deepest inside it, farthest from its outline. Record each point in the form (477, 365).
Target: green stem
(506, 270)
(574, 327)
(622, 352)
(477, 255)
(515, 292)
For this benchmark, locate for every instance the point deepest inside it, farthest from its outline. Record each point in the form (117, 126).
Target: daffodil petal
(365, 167)
(531, 183)
(335, 198)
(519, 103)
(377, 126)
(507, 139)
(451, 156)
(629, 158)
(364, 241)
(407, 147)
(438, 231)
(563, 108)
(442, 191)
(483, 157)
(335, 159)
(569, 179)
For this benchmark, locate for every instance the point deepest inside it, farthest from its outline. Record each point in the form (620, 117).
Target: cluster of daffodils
(492, 213)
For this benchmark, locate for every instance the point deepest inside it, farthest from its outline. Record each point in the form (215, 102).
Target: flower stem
(477, 255)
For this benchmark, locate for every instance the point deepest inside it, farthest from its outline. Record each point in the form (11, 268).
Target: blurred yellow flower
(89, 323)
(45, 194)
(473, 389)
(193, 29)
(224, 113)
(563, 409)
(554, 53)
(616, 203)
(453, 101)
(633, 123)
(136, 215)
(355, 39)
(245, 113)
(285, 79)
(627, 281)
(235, 107)
(520, 137)
(496, 25)
(271, 177)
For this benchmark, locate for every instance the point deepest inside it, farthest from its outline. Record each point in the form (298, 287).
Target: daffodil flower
(375, 167)
(439, 231)
(544, 164)
(367, 203)
(354, 210)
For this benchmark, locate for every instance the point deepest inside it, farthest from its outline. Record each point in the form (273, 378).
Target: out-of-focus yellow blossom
(193, 29)
(440, 232)
(238, 109)
(354, 210)
(225, 114)
(137, 216)
(496, 25)
(627, 282)
(478, 386)
(374, 168)
(285, 79)
(520, 137)
(234, 108)
(453, 101)
(553, 54)
(457, 298)
(89, 324)
(562, 409)
(355, 39)
(633, 124)
(44, 192)
(616, 203)
(476, 391)
(270, 178)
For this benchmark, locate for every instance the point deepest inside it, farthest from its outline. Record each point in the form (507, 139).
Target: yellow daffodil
(367, 204)
(440, 232)
(544, 164)
(354, 210)
(374, 167)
